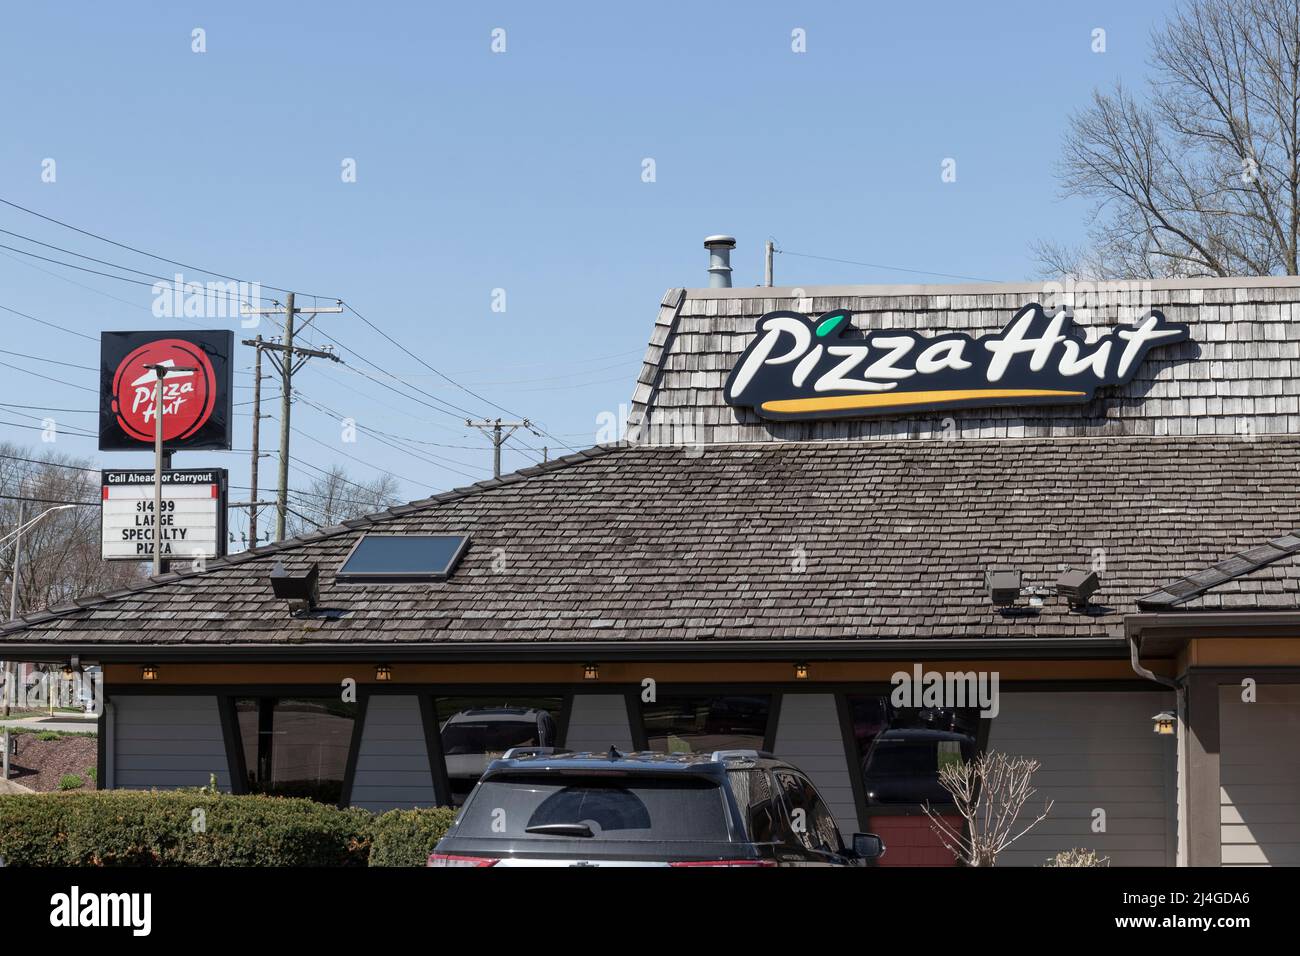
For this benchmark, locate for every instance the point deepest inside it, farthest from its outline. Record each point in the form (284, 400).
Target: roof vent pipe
(720, 260)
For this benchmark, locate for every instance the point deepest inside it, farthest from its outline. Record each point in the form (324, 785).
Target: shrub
(1078, 857)
(71, 781)
(180, 827)
(407, 837)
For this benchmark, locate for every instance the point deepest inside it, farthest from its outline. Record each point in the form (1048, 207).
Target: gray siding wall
(393, 761)
(1259, 776)
(597, 722)
(167, 742)
(1097, 750)
(808, 735)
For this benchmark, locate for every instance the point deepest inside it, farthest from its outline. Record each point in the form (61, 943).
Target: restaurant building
(1077, 502)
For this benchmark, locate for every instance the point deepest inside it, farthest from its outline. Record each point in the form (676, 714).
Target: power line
(50, 324)
(37, 358)
(141, 252)
(442, 375)
(877, 265)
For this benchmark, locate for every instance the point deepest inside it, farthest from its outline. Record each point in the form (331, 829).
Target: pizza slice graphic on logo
(188, 396)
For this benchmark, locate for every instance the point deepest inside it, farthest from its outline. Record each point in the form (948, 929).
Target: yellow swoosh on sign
(838, 403)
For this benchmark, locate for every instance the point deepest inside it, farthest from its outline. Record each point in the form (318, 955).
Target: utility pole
(287, 362)
(769, 248)
(498, 437)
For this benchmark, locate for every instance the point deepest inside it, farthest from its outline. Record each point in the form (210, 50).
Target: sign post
(161, 370)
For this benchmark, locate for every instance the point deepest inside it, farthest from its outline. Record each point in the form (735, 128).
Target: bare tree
(1202, 176)
(989, 792)
(60, 555)
(334, 497)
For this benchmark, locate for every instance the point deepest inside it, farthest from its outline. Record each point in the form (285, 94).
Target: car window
(759, 806)
(809, 823)
(618, 807)
(826, 833)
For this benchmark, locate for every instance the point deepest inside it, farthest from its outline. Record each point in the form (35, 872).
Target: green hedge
(407, 837)
(166, 828)
(179, 828)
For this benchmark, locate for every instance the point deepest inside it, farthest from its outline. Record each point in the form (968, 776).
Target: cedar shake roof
(851, 541)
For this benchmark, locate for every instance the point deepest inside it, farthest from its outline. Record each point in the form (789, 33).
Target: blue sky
(519, 171)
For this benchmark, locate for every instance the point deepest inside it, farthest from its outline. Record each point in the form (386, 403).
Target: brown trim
(354, 748)
(617, 674)
(1204, 837)
(433, 745)
(852, 760)
(234, 742)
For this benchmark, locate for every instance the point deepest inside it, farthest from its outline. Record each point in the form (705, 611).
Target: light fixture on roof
(1003, 587)
(1077, 586)
(1165, 723)
(591, 672)
(300, 588)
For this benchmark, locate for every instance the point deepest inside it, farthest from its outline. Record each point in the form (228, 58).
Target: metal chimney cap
(727, 241)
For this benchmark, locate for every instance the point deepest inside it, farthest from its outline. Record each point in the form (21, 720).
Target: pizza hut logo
(188, 397)
(800, 367)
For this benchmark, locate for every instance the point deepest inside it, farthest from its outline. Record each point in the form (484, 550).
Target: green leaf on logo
(832, 322)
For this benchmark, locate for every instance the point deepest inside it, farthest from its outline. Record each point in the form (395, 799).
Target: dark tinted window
(614, 808)
(809, 821)
(296, 746)
(756, 798)
(477, 730)
(705, 724)
(900, 749)
(403, 555)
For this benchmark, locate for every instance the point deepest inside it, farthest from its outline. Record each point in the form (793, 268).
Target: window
(296, 746)
(403, 557)
(809, 821)
(616, 807)
(476, 730)
(705, 724)
(901, 749)
(758, 803)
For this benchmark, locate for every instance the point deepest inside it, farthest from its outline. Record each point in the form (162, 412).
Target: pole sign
(802, 368)
(193, 524)
(196, 405)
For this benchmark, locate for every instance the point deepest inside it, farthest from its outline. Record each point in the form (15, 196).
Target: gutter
(888, 649)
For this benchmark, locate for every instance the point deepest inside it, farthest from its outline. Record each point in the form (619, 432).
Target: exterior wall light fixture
(383, 672)
(801, 671)
(149, 672)
(591, 672)
(1165, 723)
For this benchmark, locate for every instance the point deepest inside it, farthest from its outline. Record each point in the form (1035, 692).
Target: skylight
(403, 557)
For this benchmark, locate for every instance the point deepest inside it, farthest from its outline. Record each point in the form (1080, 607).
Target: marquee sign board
(193, 514)
(196, 404)
(802, 368)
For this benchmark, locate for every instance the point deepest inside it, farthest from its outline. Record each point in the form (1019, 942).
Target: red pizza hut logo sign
(195, 399)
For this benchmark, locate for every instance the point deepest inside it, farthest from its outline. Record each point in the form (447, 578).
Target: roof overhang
(1163, 634)
(805, 650)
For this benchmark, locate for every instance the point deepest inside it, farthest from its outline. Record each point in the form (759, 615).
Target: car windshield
(623, 807)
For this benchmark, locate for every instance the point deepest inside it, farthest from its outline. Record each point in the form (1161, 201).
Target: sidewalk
(75, 723)
(8, 787)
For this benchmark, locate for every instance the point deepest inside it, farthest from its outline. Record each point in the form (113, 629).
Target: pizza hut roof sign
(196, 405)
